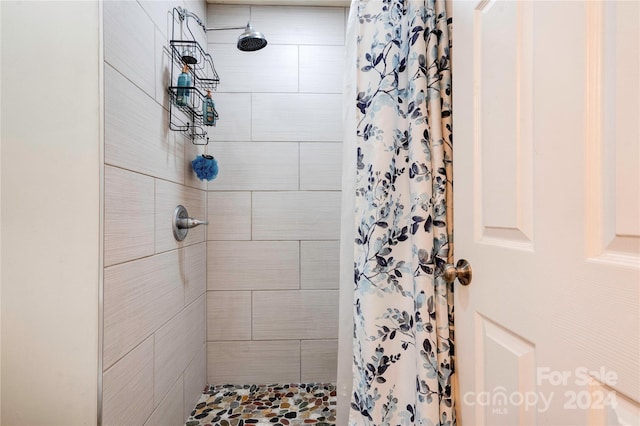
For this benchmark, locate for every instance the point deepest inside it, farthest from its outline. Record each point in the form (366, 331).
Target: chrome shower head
(251, 40)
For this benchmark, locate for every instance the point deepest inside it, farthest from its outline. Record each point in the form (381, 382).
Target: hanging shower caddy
(188, 118)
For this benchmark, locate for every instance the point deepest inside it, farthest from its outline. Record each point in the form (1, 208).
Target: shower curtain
(400, 159)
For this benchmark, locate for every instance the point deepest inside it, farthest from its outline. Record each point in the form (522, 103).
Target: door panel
(547, 212)
(613, 152)
(508, 370)
(503, 51)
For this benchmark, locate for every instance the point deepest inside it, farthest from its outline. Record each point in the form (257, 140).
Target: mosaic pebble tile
(295, 404)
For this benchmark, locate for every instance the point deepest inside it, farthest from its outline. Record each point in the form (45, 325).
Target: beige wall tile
(300, 25)
(163, 68)
(228, 315)
(170, 411)
(199, 7)
(137, 135)
(252, 265)
(297, 314)
(128, 215)
(256, 166)
(176, 344)
(129, 42)
(268, 70)
(319, 360)
(192, 261)
(226, 15)
(319, 264)
(321, 69)
(253, 362)
(296, 117)
(160, 13)
(168, 196)
(320, 166)
(234, 123)
(128, 388)
(229, 216)
(139, 297)
(296, 215)
(195, 380)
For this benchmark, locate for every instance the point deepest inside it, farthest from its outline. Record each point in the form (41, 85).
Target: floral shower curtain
(403, 310)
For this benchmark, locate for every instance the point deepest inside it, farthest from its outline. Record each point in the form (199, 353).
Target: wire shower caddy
(188, 118)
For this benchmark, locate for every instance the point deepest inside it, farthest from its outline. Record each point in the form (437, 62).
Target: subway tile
(168, 196)
(176, 344)
(296, 215)
(295, 314)
(319, 361)
(268, 70)
(128, 388)
(256, 166)
(296, 117)
(253, 362)
(228, 315)
(234, 122)
(319, 265)
(170, 411)
(128, 215)
(229, 215)
(139, 297)
(300, 25)
(129, 42)
(195, 380)
(193, 270)
(321, 69)
(252, 265)
(226, 15)
(320, 166)
(137, 135)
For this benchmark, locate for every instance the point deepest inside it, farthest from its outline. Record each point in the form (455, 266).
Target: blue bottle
(209, 111)
(184, 80)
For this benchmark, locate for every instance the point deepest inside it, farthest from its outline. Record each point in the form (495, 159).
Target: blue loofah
(206, 167)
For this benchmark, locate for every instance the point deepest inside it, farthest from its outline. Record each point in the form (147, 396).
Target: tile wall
(154, 352)
(274, 210)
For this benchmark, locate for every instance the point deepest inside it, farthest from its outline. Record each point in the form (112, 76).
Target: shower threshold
(266, 405)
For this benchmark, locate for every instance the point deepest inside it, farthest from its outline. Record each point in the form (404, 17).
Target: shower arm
(184, 14)
(225, 28)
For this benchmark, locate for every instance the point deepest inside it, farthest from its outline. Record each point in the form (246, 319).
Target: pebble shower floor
(266, 405)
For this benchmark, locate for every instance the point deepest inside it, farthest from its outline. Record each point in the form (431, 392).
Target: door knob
(182, 223)
(462, 271)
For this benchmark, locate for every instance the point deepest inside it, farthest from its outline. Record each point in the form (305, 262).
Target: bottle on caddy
(184, 83)
(209, 111)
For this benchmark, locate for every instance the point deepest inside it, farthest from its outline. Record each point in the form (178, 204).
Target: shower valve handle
(189, 222)
(182, 223)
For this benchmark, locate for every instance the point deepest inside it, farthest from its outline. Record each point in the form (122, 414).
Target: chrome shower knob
(182, 223)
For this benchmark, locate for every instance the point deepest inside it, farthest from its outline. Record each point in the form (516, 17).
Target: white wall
(50, 212)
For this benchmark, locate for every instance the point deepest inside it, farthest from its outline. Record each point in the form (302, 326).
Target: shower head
(251, 40)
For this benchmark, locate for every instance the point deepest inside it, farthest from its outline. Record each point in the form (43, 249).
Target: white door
(547, 190)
